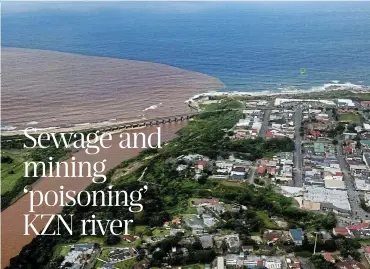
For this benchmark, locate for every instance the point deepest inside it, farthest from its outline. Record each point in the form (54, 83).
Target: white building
(251, 261)
(220, 263)
(335, 184)
(346, 102)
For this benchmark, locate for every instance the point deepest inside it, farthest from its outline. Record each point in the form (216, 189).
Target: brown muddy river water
(46, 89)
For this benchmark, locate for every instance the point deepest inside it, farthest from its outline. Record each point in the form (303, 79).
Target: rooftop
(297, 234)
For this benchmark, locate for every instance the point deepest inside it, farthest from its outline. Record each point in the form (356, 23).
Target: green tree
(112, 239)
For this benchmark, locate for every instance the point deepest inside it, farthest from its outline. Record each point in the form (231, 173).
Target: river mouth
(47, 89)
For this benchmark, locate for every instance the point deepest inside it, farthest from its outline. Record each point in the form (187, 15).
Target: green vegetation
(223, 104)
(319, 262)
(259, 147)
(364, 242)
(12, 168)
(263, 215)
(14, 183)
(345, 246)
(350, 118)
(357, 96)
(61, 250)
(121, 265)
(207, 136)
(194, 266)
(92, 239)
(338, 130)
(104, 254)
(125, 264)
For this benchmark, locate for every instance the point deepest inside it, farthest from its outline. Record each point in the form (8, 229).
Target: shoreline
(74, 128)
(357, 89)
(210, 94)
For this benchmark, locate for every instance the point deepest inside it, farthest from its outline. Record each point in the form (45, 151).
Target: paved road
(297, 172)
(357, 211)
(265, 123)
(251, 172)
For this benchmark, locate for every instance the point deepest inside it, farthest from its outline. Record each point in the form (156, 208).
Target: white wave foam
(32, 123)
(152, 107)
(7, 128)
(82, 124)
(288, 90)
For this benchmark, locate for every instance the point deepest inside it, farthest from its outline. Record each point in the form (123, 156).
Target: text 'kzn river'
(13, 222)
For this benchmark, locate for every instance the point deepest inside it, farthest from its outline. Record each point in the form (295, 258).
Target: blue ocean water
(249, 46)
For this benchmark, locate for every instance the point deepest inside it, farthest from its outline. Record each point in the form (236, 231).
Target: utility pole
(314, 248)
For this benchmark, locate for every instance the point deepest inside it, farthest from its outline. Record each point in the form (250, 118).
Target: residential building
(297, 236)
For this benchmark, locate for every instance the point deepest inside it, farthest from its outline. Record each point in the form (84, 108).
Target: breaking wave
(152, 107)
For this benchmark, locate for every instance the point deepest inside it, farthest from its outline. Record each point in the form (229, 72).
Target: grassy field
(235, 104)
(92, 239)
(364, 242)
(11, 173)
(231, 183)
(61, 250)
(184, 207)
(101, 241)
(125, 264)
(350, 118)
(156, 232)
(160, 232)
(336, 94)
(104, 254)
(266, 220)
(121, 265)
(193, 266)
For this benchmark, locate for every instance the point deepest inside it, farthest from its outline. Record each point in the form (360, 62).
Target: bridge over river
(139, 123)
(150, 122)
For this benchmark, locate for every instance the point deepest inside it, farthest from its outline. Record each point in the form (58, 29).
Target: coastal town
(326, 172)
(185, 135)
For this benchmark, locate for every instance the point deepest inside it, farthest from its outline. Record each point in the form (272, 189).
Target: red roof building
(176, 220)
(273, 237)
(327, 256)
(358, 226)
(315, 134)
(128, 238)
(348, 150)
(270, 134)
(200, 165)
(261, 169)
(271, 170)
(349, 264)
(341, 231)
(365, 103)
